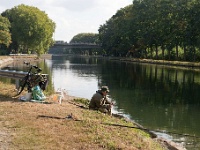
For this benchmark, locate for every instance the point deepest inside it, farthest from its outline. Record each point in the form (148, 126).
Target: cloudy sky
(73, 16)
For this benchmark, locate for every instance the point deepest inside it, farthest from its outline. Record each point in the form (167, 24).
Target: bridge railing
(17, 75)
(77, 45)
(12, 74)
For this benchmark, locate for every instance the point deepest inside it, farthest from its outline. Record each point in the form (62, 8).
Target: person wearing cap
(100, 102)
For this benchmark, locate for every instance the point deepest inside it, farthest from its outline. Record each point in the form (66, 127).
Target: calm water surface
(158, 97)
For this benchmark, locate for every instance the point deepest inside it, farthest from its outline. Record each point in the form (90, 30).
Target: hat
(104, 89)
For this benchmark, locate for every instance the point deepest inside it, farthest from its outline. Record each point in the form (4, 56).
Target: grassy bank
(28, 125)
(162, 62)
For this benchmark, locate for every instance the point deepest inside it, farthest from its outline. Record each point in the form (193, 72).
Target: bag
(37, 93)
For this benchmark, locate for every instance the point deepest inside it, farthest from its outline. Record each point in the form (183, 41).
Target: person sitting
(100, 102)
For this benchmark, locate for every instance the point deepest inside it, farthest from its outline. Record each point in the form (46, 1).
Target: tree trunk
(156, 52)
(177, 52)
(169, 56)
(151, 49)
(163, 52)
(145, 50)
(184, 51)
(194, 53)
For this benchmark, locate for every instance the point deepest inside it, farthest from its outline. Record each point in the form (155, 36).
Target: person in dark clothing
(100, 102)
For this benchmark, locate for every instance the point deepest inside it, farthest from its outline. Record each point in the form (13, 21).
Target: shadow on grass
(50, 117)
(68, 117)
(4, 98)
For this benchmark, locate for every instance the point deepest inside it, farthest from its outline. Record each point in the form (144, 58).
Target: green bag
(37, 93)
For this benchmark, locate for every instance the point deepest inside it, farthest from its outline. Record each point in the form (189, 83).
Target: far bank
(6, 59)
(195, 65)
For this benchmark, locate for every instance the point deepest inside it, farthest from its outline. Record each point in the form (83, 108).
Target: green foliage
(85, 38)
(5, 36)
(88, 38)
(31, 29)
(159, 25)
(115, 35)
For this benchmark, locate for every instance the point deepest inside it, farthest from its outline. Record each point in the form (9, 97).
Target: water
(158, 97)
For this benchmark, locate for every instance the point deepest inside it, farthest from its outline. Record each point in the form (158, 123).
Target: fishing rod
(150, 131)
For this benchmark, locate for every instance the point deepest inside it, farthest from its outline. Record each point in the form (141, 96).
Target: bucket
(57, 98)
(28, 96)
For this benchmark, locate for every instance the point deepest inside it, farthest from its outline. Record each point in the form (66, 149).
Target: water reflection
(157, 97)
(79, 79)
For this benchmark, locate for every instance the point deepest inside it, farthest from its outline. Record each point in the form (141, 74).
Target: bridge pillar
(17, 83)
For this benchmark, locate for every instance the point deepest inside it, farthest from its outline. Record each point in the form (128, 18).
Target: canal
(158, 97)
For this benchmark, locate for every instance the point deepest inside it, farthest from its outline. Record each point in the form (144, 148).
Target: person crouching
(100, 102)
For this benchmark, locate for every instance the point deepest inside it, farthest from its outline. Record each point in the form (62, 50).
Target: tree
(193, 31)
(5, 36)
(32, 30)
(115, 35)
(167, 25)
(85, 38)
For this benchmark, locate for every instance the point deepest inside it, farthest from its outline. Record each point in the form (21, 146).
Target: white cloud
(73, 16)
(75, 5)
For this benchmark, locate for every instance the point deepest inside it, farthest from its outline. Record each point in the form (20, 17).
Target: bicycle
(32, 79)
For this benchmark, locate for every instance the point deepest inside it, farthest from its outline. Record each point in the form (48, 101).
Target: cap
(104, 88)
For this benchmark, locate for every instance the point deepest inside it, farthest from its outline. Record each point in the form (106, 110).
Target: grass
(82, 101)
(45, 126)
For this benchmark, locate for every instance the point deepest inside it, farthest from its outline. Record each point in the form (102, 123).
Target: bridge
(63, 48)
(76, 45)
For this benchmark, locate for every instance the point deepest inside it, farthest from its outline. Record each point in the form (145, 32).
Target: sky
(73, 16)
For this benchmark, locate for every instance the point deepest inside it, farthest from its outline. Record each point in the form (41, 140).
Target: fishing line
(150, 130)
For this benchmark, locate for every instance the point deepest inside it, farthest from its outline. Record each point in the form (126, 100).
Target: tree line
(25, 29)
(158, 29)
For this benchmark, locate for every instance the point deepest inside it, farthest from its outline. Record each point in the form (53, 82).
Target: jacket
(98, 100)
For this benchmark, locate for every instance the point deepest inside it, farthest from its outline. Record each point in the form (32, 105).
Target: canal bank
(64, 126)
(194, 65)
(5, 60)
(165, 141)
